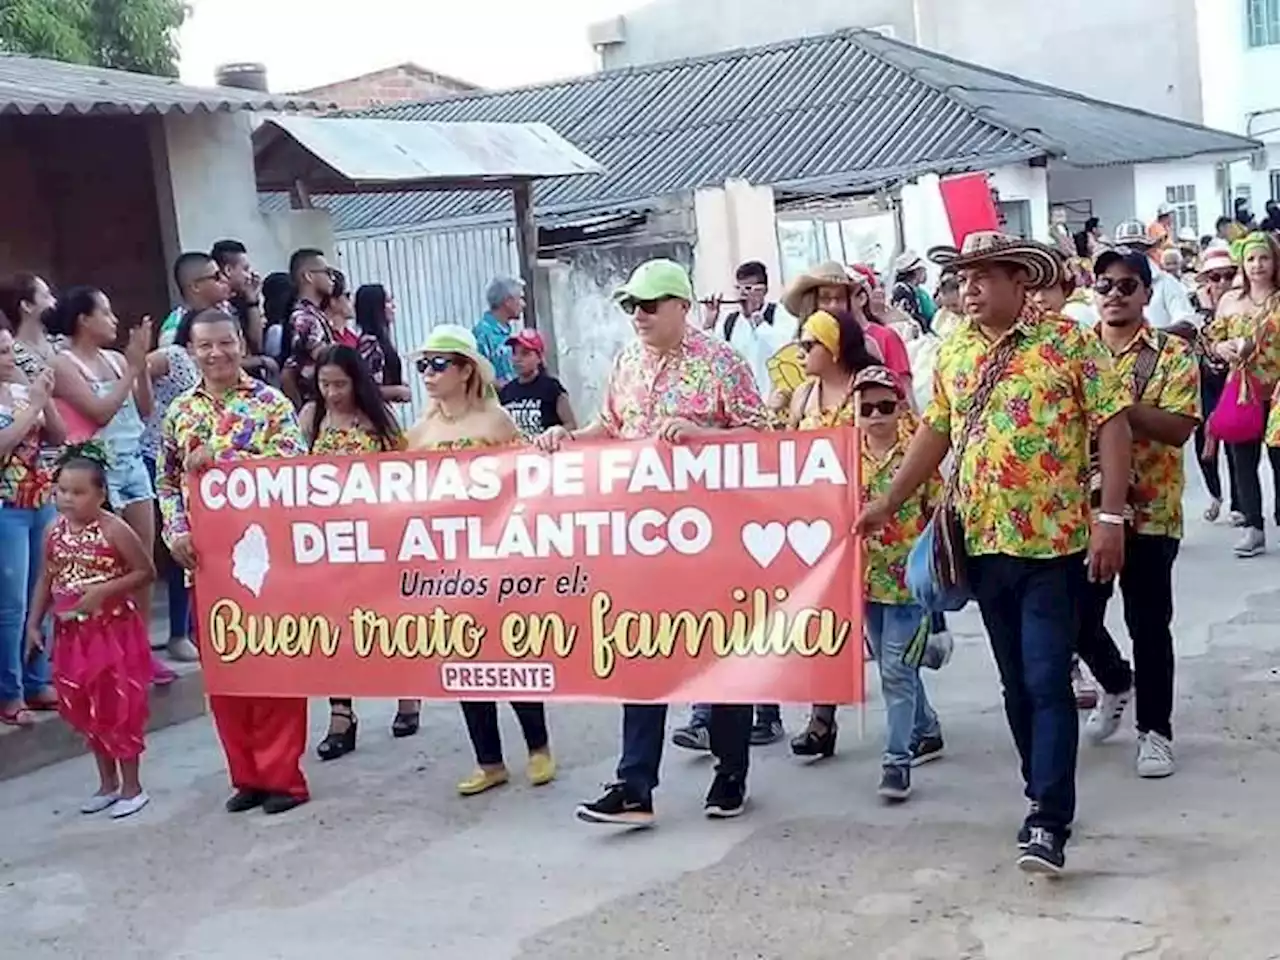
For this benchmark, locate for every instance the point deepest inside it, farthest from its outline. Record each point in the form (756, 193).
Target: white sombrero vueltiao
(988, 246)
(450, 338)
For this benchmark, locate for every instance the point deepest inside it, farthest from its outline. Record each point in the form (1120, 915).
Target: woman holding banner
(463, 413)
(347, 418)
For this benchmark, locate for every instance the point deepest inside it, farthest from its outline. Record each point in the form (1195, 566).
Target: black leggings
(1247, 458)
(1211, 386)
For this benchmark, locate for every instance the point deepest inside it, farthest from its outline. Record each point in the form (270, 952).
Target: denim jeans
(22, 535)
(1031, 609)
(765, 713)
(179, 595)
(644, 728)
(909, 717)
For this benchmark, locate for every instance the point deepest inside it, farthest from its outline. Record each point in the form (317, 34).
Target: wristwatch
(1110, 519)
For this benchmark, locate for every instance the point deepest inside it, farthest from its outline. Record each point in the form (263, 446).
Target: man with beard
(1161, 372)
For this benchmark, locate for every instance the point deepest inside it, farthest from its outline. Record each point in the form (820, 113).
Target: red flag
(967, 199)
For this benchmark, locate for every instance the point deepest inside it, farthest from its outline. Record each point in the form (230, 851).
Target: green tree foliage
(136, 35)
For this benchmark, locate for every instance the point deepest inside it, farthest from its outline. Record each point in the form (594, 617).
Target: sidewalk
(23, 750)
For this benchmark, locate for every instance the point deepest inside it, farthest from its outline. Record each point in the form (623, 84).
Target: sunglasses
(435, 364)
(1220, 276)
(1125, 286)
(808, 345)
(885, 408)
(643, 306)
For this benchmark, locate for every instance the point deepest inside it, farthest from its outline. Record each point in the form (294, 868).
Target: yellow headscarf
(1245, 245)
(824, 328)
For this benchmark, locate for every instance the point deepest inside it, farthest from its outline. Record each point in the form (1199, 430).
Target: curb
(52, 741)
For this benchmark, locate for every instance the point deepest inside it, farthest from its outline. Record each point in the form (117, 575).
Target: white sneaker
(1105, 719)
(99, 802)
(128, 807)
(1155, 756)
(1253, 543)
(1235, 518)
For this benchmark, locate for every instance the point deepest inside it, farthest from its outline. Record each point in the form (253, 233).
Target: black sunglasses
(807, 345)
(886, 407)
(643, 306)
(1220, 276)
(438, 363)
(1125, 286)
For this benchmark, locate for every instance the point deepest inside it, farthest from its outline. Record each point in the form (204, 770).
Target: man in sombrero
(1017, 393)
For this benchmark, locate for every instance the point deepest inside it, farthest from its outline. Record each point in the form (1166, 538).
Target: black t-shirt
(532, 405)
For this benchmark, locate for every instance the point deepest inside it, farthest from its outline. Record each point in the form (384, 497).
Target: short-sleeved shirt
(491, 336)
(1174, 387)
(533, 405)
(312, 331)
(182, 378)
(885, 570)
(703, 380)
(1023, 484)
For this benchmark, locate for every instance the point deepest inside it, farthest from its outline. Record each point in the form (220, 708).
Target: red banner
(969, 205)
(720, 572)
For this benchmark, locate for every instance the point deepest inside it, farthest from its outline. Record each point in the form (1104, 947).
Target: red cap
(530, 339)
(867, 273)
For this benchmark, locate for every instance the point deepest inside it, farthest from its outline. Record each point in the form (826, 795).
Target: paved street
(388, 863)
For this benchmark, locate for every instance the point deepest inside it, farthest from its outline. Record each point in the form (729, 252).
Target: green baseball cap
(655, 280)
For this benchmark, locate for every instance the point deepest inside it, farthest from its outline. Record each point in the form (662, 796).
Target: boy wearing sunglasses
(892, 617)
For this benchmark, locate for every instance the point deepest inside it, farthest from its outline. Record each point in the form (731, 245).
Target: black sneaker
(618, 805)
(895, 784)
(243, 800)
(765, 733)
(281, 803)
(727, 797)
(926, 750)
(696, 736)
(1043, 853)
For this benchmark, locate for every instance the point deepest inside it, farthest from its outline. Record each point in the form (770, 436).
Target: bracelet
(1110, 519)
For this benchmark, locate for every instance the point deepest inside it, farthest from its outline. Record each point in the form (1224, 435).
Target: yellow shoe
(483, 780)
(542, 769)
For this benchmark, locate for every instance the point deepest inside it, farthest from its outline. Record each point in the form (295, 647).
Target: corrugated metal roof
(849, 111)
(367, 152)
(32, 86)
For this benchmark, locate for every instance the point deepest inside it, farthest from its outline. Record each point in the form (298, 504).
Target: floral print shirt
(1261, 326)
(345, 441)
(24, 479)
(704, 380)
(885, 565)
(1174, 387)
(251, 420)
(1023, 485)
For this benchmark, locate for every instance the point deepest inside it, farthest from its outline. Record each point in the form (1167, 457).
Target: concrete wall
(402, 84)
(735, 223)
(210, 192)
(1078, 44)
(1108, 189)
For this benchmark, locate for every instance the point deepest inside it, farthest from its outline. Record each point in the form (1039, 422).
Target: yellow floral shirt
(1174, 387)
(1261, 326)
(885, 565)
(1024, 475)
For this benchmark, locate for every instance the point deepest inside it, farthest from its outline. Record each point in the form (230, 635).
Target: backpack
(731, 321)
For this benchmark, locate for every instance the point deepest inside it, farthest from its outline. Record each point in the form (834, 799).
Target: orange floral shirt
(1023, 489)
(1174, 387)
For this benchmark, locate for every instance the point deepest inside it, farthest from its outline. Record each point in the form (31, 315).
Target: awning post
(526, 247)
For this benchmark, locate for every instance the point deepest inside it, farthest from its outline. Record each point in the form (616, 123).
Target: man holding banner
(678, 384)
(230, 416)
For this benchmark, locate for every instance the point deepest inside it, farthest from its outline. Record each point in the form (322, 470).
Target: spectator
(505, 298)
(311, 333)
(375, 312)
(232, 258)
(536, 400)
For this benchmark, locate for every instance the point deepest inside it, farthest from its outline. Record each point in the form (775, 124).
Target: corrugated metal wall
(435, 276)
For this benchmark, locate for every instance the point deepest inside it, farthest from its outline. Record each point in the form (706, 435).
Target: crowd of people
(1064, 431)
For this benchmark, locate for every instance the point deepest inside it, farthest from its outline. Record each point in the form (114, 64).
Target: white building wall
(1109, 191)
(1151, 181)
(214, 196)
(1082, 45)
(735, 223)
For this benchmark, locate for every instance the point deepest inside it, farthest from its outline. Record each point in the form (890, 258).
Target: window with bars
(1183, 200)
(1264, 22)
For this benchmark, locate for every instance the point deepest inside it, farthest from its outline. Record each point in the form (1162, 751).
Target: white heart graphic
(764, 542)
(809, 540)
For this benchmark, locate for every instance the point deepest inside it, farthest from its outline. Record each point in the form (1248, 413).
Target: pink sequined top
(79, 559)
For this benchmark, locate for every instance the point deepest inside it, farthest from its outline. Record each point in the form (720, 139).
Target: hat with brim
(1213, 260)
(877, 377)
(1041, 263)
(799, 299)
(658, 279)
(453, 340)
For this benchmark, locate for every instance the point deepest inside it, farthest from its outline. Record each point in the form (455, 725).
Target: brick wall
(80, 207)
(397, 85)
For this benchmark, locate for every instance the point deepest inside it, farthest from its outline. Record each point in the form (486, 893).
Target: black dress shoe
(243, 800)
(281, 803)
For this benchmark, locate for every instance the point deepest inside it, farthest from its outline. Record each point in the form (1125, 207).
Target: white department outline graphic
(251, 560)
(808, 539)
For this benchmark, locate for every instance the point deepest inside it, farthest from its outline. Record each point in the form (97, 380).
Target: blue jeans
(644, 728)
(1031, 609)
(175, 586)
(22, 535)
(765, 713)
(909, 715)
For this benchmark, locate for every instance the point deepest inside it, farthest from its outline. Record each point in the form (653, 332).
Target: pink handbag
(1241, 415)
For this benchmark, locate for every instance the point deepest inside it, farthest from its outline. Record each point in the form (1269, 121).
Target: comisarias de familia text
(589, 532)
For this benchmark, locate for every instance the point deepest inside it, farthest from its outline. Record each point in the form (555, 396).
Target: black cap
(1135, 260)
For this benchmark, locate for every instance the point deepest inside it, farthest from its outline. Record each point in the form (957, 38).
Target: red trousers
(263, 739)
